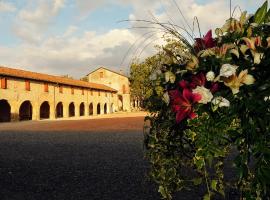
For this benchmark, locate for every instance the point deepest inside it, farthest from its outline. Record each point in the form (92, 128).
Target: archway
(105, 108)
(82, 109)
(98, 109)
(59, 110)
(120, 102)
(45, 110)
(71, 110)
(5, 115)
(25, 111)
(91, 109)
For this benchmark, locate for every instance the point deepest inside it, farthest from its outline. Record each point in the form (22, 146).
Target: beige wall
(115, 81)
(16, 94)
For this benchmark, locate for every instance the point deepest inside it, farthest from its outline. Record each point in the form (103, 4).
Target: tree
(143, 73)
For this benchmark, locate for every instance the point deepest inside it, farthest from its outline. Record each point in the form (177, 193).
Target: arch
(71, 110)
(105, 108)
(59, 110)
(91, 109)
(82, 109)
(120, 102)
(98, 108)
(5, 108)
(25, 111)
(45, 110)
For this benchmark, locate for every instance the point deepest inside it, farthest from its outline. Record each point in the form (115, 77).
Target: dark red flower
(204, 43)
(183, 103)
(184, 84)
(214, 87)
(197, 80)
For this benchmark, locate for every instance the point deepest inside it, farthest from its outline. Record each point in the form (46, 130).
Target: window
(60, 89)
(91, 92)
(82, 91)
(105, 94)
(98, 93)
(3, 83)
(124, 89)
(46, 87)
(27, 85)
(72, 90)
(101, 75)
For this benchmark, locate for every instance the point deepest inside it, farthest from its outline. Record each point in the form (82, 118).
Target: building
(28, 95)
(114, 80)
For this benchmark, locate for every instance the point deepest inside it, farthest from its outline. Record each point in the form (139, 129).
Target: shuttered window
(3, 83)
(72, 90)
(27, 85)
(60, 89)
(101, 75)
(124, 89)
(46, 87)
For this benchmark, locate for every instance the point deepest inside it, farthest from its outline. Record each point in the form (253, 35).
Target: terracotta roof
(108, 70)
(52, 79)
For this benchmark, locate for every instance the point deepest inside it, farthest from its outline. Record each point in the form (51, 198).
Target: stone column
(36, 111)
(77, 110)
(86, 109)
(14, 111)
(52, 111)
(65, 110)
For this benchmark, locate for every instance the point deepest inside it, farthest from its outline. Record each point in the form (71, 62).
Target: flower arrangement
(214, 105)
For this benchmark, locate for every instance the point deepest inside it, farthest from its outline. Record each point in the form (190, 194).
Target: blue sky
(76, 36)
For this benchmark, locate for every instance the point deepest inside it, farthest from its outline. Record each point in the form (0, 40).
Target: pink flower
(204, 43)
(182, 104)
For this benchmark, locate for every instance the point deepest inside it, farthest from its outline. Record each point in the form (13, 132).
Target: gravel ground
(97, 159)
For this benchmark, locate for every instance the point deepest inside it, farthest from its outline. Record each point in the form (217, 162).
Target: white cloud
(33, 21)
(77, 51)
(7, 7)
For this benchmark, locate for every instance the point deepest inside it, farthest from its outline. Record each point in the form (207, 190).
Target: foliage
(140, 73)
(215, 102)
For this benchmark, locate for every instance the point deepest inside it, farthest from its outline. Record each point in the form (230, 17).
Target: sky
(74, 37)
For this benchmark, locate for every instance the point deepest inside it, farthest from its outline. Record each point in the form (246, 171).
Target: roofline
(108, 70)
(63, 80)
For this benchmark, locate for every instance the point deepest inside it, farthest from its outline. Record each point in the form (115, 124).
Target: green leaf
(214, 185)
(197, 181)
(261, 13)
(206, 197)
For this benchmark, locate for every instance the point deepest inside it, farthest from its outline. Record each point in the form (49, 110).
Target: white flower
(220, 102)
(210, 76)
(205, 94)
(266, 98)
(166, 98)
(227, 70)
(169, 76)
(154, 75)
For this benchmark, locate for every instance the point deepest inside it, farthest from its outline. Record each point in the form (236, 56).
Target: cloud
(7, 7)
(78, 50)
(33, 21)
(75, 56)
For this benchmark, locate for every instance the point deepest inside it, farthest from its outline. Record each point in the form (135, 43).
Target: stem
(206, 180)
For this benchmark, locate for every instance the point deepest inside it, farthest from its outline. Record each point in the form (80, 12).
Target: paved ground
(76, 160)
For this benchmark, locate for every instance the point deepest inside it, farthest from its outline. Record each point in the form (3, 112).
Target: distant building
(28, 95)
(115, 80)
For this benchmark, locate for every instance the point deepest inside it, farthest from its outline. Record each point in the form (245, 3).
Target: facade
(28, 95)
(116, 81)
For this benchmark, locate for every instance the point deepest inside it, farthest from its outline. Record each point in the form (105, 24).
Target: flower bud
(210, 76)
